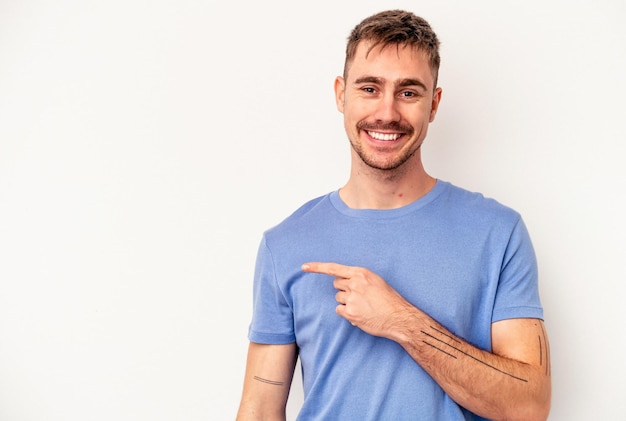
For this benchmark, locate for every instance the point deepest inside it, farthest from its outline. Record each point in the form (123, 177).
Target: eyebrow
(369, 79)
(411, 82)
(402, 83)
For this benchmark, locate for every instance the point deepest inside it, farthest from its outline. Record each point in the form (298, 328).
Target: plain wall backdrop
(146, 145)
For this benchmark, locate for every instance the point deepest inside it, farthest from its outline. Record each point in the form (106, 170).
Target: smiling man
(404, 296)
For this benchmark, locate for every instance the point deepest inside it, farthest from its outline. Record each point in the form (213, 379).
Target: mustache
(381, 126)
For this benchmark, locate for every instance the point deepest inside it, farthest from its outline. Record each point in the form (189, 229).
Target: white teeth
(384, 136)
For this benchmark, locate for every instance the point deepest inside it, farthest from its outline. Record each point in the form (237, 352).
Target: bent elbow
(535, 411)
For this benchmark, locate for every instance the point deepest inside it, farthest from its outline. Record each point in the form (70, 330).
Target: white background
(146, 145)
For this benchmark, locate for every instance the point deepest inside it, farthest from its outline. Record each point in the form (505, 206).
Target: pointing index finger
(328, 268)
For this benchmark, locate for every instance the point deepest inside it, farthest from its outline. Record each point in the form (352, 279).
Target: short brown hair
(395, 27)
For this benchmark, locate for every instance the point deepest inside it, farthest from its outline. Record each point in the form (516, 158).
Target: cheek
(356, 111)
(423, 115)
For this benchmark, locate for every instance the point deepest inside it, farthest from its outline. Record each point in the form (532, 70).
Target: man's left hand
(365, 299)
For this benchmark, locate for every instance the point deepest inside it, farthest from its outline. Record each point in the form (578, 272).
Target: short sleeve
(272, 317)
(518, 291)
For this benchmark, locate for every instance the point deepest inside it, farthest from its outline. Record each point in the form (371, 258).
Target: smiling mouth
(384, 136)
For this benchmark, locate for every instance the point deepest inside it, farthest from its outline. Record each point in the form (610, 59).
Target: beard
(385, 164)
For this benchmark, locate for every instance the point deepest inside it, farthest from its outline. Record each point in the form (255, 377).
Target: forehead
(391, 61)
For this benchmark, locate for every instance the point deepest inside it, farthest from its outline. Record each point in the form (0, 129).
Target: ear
(340, 91)
(435, 104)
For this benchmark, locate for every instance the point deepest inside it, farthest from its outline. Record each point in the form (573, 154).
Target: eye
(369, 89)
(410, 95)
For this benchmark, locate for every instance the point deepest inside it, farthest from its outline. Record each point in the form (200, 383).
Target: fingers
(341, 273)
(344, 275)
(328, 268)
(343, 312)
(342, 297)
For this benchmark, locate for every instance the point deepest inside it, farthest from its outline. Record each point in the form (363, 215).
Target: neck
(369, 188)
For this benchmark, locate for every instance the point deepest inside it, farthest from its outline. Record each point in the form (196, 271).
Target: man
(405, 297)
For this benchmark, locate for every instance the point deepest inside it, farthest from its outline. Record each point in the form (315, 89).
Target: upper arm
(523, 340)
(269, 371)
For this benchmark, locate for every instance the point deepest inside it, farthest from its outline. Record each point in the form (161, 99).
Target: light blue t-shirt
(465, 260)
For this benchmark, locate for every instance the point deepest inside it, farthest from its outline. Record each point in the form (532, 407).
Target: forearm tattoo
(274, 383)
(450, 346)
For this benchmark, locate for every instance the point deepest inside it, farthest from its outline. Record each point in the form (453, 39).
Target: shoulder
(304, 218)
(471, 202)
(470, 210)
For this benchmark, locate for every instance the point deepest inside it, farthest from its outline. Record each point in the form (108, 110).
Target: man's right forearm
(269, 372)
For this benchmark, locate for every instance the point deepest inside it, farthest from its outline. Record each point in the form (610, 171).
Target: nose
(387, 108)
